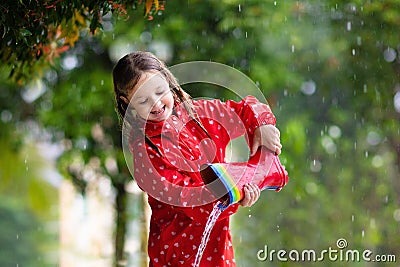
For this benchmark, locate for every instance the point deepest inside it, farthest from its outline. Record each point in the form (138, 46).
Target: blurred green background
(329, 69)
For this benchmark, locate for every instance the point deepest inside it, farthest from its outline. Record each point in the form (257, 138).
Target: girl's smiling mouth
(158, 112)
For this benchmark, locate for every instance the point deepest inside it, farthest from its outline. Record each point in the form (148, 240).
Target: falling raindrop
(292, 48)
(309, 87)
(274, 3)
(237, 33)
(70, 62)
(352, 218)
(366, 154)
(26, 163)
(362, 233)
(335, 131)
(348, 26)
(240, 8)
(389, 54)
(316, 166)
(353, 52)
(328, 144)
(82, 143)
(373, 138)
(396, 101)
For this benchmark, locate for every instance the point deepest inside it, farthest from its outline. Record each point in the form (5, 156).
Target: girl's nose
(157, 104)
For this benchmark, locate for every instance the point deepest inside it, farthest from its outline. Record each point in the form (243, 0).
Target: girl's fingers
(256, 191)
(248, 196)
(268, 136)
(252, 193)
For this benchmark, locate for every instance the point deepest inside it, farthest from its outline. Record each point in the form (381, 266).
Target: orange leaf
(62, 49)
(149, 4)
(156, 4)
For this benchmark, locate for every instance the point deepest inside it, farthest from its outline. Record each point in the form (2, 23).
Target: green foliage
(20, 177)
(88, 124)
(35, 32)
(340, 184)
(17, 231)
(27, 204)
(328, 71)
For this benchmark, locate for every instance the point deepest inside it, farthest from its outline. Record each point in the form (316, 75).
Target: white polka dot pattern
(179, 202)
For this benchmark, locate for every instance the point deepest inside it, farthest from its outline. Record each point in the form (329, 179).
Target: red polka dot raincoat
(166, 167)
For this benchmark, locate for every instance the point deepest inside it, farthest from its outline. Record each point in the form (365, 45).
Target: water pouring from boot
(226, 181)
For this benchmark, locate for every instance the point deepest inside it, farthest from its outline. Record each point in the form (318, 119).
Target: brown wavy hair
(129, 70)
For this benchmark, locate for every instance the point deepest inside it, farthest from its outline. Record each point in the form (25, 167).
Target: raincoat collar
(173, 124)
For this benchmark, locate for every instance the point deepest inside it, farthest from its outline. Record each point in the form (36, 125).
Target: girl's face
(152, 98)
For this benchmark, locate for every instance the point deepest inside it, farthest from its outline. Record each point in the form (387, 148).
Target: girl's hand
(268, 136)
(251, 195)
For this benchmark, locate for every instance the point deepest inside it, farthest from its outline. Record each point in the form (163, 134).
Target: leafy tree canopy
(34, 32)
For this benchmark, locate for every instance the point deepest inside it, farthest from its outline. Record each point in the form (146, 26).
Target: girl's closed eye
(161, 92)
(143, 102)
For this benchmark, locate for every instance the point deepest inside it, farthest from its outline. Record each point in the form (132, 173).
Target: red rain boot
(226, 180)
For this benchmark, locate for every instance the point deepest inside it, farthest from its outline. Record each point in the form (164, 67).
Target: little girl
(171, 136)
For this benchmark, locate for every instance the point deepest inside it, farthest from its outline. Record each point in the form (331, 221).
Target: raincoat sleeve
(184, 191)
(252, 112)
(235, 118)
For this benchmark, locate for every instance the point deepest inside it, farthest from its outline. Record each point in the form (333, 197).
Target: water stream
(215, 213)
